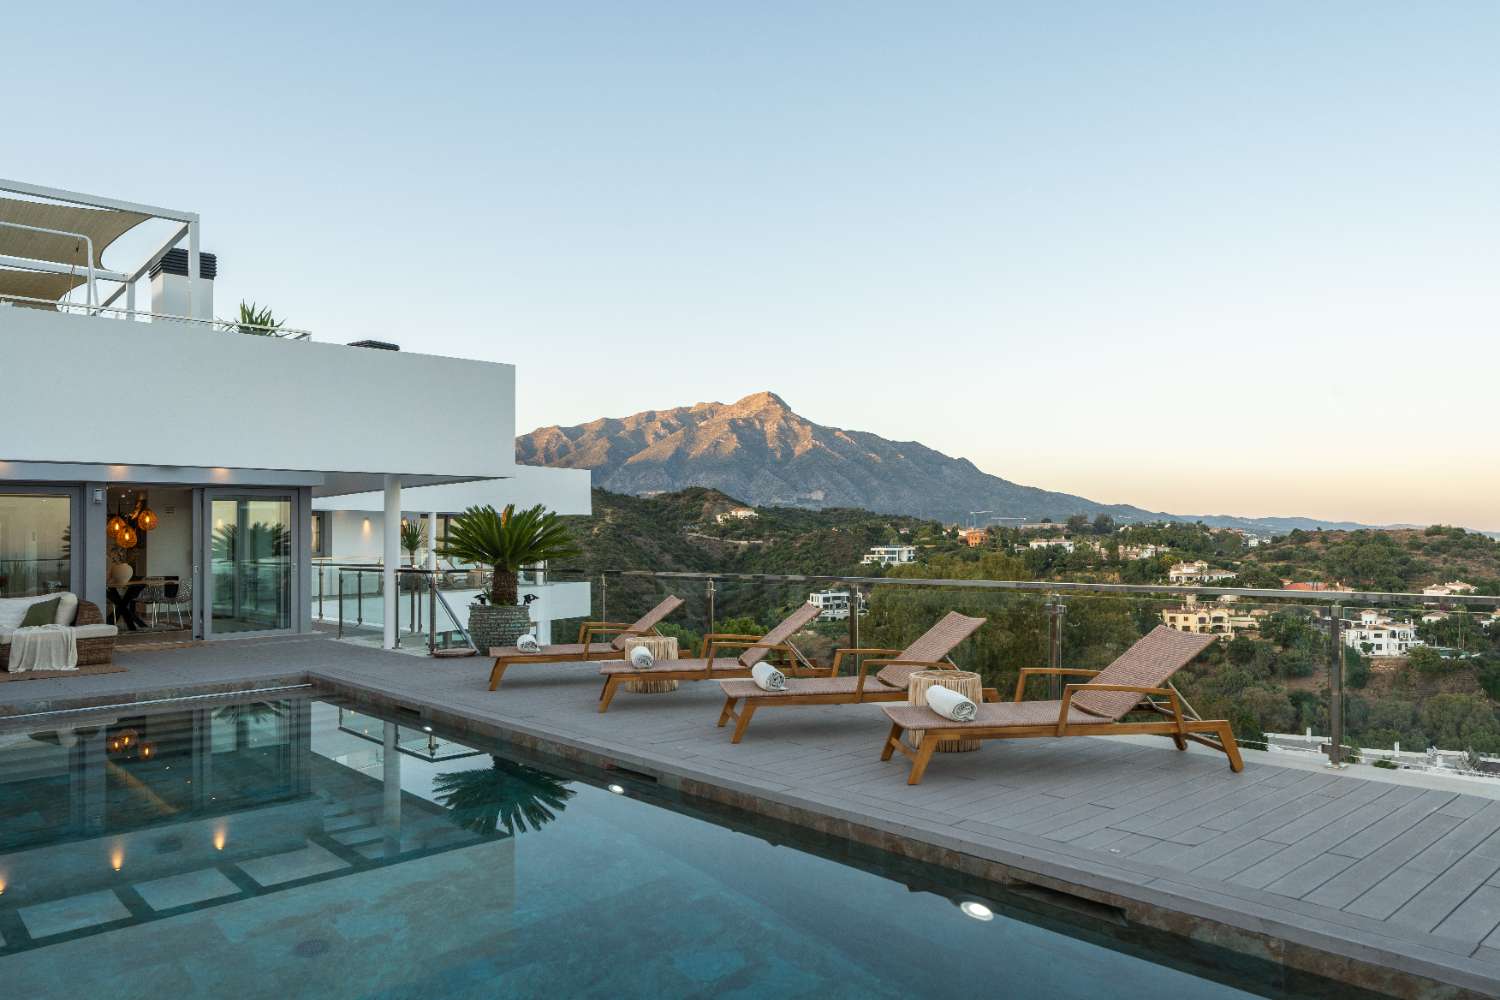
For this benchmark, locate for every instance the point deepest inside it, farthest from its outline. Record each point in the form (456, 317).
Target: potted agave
(504, 541)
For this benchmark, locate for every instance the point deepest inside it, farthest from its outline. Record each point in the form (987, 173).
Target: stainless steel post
(1055, 611)
(710, 591)
(359, 597)
(432, 614)
(1335, 748)
(341, 603)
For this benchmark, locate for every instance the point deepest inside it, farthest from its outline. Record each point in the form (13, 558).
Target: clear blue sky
(1221, 257)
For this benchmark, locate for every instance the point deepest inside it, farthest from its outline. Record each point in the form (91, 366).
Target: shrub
(1427, 660)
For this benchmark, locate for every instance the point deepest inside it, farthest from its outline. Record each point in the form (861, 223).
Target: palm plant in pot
(504, 542)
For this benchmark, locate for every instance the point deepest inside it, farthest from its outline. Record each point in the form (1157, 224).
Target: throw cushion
(41, 613)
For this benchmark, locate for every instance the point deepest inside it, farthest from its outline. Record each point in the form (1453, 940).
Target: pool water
(293, 846)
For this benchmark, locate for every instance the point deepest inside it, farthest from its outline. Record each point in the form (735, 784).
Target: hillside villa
(1197, 572)
(1379, 635)
(1217, 618)
(889, 555)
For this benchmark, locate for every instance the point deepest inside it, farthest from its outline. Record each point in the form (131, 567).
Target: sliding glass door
(252, 549)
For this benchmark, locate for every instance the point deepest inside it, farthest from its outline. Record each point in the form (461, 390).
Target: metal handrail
(218, 325)
(1062, 587)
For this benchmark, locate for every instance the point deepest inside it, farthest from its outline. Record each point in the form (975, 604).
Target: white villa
(1197, 571)
(737, 514)
(1066, 544)
(833, 605)
(210, 464)
(889, 555)
(1379, 635)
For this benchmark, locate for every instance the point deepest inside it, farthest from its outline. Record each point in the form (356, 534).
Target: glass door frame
(203, 541)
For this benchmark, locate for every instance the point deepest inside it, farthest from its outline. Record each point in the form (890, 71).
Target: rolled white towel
(950, 704)
(528, 643)
(767, 677)
(641, 658)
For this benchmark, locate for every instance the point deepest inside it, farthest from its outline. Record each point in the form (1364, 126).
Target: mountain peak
(758, 402)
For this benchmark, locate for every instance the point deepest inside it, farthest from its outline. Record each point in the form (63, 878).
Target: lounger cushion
(1151, 662)
(992, 714)
(672, 666)
(561, 650)
(808, 685)
(647, 622)
(934, 644)
(794, 623)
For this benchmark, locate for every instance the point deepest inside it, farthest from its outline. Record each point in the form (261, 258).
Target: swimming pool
(294, 846)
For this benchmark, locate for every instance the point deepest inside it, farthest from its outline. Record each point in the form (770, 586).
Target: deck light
(617, 789)
(220, 836)
(117, 858)
(976, 910)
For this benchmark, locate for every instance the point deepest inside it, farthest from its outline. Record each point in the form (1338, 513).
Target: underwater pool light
(976, 910)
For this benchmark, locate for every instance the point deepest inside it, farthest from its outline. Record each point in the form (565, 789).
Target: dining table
(123, 598)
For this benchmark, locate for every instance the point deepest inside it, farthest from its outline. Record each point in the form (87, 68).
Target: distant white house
(1066, 544)
(833, 605)
(737, 514)
(1197, 571)
(1128, 552)
(1380, 635)
(889, 555)
(1450, 589)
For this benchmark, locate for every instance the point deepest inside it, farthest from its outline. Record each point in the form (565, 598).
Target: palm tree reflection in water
(506, 796)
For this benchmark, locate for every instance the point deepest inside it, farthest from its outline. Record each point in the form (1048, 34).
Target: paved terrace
(1377, 880)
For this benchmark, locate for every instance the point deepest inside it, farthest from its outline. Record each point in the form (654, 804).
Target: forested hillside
(1270, 680)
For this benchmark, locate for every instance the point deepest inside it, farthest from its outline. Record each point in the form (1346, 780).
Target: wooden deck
(1379, 878)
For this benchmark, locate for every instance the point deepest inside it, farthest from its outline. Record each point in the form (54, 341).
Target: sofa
(96, 640)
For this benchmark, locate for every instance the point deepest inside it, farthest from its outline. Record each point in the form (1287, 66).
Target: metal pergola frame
(190, 229)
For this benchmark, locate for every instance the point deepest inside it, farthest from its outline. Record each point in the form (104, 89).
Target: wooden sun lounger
(889, 684)
(710, 666)
(1131, 683)
(586, 648)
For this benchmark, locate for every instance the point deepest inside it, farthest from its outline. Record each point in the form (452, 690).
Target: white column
(192, 283)
(391, 555)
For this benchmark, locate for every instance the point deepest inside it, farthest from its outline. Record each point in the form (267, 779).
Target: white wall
(169, 547)
(563, 490)
(236, 401)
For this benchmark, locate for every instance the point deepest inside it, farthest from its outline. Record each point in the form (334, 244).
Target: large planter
(497, 625)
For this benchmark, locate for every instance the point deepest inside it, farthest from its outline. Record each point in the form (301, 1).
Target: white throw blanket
(43, 647)
(641, 658)
(528, 644)
(767, 677)
(950, 704)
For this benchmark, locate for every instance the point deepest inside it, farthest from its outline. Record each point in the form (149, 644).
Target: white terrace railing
(137, 315)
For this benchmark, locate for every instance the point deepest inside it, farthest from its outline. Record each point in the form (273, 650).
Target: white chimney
(169, 285)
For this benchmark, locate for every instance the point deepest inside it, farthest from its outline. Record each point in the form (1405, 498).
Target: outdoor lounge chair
(586, 648)
(889, 684)
(1138, 676)
(710, 665)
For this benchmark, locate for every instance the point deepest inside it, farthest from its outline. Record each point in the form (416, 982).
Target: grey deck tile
(1391, 893)
(1318, 819)
(1354, 881)
(1475, 919)
(1465, 806)
(1383, 831)
(1312, 844)
(1307, 876)
(1444, 894)
(1229, 864)
(1462, 839)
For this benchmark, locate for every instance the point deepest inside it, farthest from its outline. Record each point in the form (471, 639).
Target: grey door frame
(203, 557)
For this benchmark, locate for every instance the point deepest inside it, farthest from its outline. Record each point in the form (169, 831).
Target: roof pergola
(50, 247)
